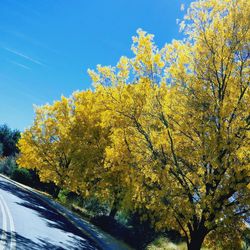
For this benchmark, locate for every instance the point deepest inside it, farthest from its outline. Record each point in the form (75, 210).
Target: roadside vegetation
(158, 153)
(8, 166)
(9, 150)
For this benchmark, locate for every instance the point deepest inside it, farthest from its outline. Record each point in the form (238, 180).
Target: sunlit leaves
(165, 133)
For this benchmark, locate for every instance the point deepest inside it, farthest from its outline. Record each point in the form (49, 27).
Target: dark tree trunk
(195, 244)
(113, 212)
(115, 206)
(56, 192)
(197, 238)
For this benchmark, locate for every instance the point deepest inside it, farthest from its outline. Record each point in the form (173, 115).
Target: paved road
(27, 223)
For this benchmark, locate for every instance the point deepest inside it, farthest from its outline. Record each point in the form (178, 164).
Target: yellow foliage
(165, 133)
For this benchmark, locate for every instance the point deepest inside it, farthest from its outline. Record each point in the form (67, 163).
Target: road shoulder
(102, 239)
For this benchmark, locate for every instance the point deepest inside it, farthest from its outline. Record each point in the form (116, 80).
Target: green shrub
(95, 207)
(8, 165)
(62, 196)
(22, 175)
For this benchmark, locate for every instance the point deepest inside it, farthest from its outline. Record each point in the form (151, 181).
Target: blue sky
(46, 46)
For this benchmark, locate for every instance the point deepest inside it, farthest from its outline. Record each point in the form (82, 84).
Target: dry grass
(164, 244)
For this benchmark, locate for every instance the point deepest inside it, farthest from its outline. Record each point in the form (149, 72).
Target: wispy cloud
(24, 56)
(27, 38)
(20, 65)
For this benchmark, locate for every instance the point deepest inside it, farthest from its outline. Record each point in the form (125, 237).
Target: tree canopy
(165, 133)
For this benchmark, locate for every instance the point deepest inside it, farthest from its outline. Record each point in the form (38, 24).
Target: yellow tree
(88, 143)
(44, 146)
(180, 123)
(111, 83)
(211, 75)
(66, 143)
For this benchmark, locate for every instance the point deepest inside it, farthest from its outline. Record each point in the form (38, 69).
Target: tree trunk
(56, 192)
(113, 212)
(196, 240)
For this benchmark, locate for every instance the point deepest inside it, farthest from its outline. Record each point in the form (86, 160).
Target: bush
(116, 229)
(62, 196)
(8, 165)
(22, 175)
(94, 206)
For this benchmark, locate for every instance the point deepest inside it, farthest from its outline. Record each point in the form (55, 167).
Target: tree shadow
(23, 243)
(52, 218)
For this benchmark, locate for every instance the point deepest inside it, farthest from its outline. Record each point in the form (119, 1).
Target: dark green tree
(8, 141)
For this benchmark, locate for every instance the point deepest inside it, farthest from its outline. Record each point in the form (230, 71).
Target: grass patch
(163, 243)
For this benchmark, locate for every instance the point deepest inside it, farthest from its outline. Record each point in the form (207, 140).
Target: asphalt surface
(26, 222)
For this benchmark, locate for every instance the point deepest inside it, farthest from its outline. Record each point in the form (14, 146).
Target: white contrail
(20, 65)
(12, 225)
(24, 56)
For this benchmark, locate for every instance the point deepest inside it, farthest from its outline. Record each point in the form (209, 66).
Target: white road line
(12, 226)
(4, 227)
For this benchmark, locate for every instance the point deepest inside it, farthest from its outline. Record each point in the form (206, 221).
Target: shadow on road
(53, 220)
(28, 244)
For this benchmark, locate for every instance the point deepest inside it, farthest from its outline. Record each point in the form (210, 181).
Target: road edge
(101, 238)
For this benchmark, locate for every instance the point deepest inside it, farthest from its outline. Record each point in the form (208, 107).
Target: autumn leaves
(165, 133)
